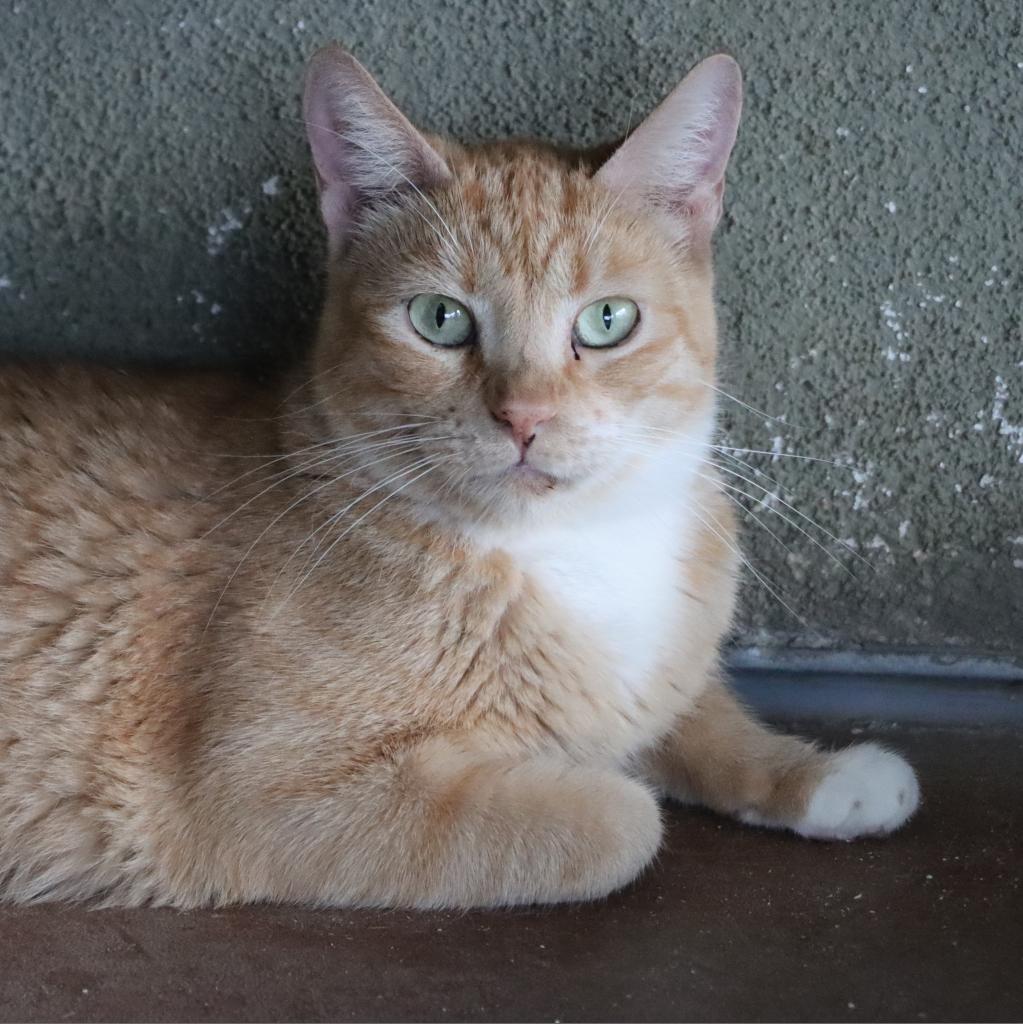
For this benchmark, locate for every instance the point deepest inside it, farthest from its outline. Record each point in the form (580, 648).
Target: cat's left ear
(363, 146)
(675, 160)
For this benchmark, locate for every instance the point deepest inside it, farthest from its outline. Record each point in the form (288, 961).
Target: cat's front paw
(867, 791)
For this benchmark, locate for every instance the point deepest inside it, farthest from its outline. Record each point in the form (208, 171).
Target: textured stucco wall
(155, 201)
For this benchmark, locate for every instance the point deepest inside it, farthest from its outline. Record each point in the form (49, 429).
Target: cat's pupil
(606, 316)
(442, 313)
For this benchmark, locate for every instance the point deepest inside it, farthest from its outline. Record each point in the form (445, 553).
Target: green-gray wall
(155, 202)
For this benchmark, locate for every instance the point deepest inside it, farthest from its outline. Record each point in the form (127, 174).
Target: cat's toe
(867, 791)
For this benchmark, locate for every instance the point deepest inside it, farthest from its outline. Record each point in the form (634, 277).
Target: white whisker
(336, 516)
(748, 511)
(726, 453)
(409, 446)
(665, 433)
(341, 444)
(796, 511)
(721, 534)
(431, 462)
(781, 455)
(745, 405)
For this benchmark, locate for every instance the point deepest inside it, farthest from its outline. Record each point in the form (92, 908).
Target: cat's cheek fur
(866, 790)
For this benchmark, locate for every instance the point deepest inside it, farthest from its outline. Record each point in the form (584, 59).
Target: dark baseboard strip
(932, 664)
(830, 688)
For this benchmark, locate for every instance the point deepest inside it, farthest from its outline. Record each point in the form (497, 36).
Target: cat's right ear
(363, 147)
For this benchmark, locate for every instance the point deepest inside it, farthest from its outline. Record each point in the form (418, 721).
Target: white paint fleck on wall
(891, 355)
(218, 233)
(271, 186)
(1013, 431)
(890, 206)
(860, 499)
(928, 297)
(893, 321)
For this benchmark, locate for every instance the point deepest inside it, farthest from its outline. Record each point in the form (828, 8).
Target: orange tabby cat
(435, 621)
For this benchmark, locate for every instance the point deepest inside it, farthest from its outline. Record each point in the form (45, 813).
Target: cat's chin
(530, 479)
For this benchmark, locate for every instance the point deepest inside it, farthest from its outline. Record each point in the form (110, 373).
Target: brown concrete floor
(732, 924)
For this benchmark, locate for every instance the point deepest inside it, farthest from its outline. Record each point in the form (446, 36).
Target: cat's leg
(719, 756)
(444, 827)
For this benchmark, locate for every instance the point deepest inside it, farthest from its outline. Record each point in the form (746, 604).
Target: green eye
(441, 320)
(606, 323)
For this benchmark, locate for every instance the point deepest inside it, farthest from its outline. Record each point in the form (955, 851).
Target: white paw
(868, 791)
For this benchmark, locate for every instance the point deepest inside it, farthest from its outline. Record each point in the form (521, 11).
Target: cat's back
(102, 473)
(80, 441)
(68, 432)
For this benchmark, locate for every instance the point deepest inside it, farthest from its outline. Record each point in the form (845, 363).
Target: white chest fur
(616, 567)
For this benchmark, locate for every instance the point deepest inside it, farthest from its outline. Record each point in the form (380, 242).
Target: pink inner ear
(676, 159)
(335, 198)
(362, 145)
(336, 202)
(328, 86)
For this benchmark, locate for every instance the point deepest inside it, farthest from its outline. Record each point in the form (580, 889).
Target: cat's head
(511, 328)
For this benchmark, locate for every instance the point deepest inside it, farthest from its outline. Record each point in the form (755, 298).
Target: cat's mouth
(525, 475)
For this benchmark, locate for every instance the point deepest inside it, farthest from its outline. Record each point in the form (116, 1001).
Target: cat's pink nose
(522, 418)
